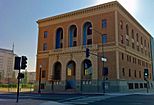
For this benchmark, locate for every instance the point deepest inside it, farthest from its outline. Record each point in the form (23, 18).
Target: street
(80, 99)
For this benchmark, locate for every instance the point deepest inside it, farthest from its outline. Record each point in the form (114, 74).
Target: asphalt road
(78, 99)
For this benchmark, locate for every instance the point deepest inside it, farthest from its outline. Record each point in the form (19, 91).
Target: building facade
(7, 73)
(108, 30)
(152, 54)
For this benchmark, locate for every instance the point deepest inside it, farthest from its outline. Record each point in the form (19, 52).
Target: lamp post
(103, 59)
(39, 89)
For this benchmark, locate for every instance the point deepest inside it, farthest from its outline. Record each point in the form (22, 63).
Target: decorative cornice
(81, 11)
(92, 9)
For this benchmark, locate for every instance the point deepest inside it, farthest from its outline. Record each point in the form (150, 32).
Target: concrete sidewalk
(27, 102)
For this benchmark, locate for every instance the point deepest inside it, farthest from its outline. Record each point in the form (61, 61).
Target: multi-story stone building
(152, 54)
(106, 29)
(7, 73)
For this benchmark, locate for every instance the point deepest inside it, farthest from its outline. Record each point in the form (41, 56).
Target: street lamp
(103, 58)
(39, 89)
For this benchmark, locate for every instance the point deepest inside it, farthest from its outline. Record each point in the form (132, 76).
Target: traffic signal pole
(20, 63)
(18, 86)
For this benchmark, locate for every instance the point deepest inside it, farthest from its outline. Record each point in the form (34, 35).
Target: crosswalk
(84, 100)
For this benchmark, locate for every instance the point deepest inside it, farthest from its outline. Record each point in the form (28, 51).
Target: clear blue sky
(18, 20)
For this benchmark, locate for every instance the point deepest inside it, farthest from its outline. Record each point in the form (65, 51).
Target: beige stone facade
(126, 47)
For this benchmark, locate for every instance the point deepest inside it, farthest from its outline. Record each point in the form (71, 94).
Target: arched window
(59, 38)
(72, 36)
(87, 33)
(87, 69)
(57, 71)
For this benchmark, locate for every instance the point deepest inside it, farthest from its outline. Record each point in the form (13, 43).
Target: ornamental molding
(81, 11)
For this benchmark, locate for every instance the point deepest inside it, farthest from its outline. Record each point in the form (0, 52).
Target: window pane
(44, 46)
(104, 23)
(89, 41)
(104, 38)
(89, 30)
(45, 34)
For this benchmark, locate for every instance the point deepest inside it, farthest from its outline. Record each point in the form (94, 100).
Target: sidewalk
(21, 102)
(27, 102)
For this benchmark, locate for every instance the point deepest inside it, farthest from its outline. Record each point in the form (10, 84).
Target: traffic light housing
(17, 63)
(105, 71)
(20, 76)
(23, 62)
(87, 52)
(146, 74)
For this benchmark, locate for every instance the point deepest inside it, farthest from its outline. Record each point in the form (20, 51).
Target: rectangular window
(44, 46)
(43, 74)
(138, 49)
(136, 86)
(141, 40)
(123, 71)
(122, 39)
(141, 85)
(104, 23)
(135, 73)
(145, 85)
(74, 43)
(45, 34)
(89, 41)
(122, 56)
(139, 74)
(130, 85)
(137, 37)
(127, 42)
(104, 38)
(133, 46)
(129, 73)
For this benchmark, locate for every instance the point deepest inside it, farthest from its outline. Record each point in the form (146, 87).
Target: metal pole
(39, 89)
(18, 86)
(147, 86)
(102, 61)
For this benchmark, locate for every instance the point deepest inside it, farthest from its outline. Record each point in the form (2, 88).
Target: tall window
(123, 71)
(87, 33)
(122, 56)
(127, 29)
(132, 34)
(144, 43)
(59, 38)
(45, 34)
(104, 23)
(141, 40)
(127, 42)
(104, 38)
(135, 73)
(139, 74)
(137, 37)
(43, 74)
(44, 46)
(72, 36)
(129, 72)
(122, 39)
(121, 24)
(89, 30)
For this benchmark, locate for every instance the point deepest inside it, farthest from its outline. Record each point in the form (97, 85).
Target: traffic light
(146, 74)
(87, 52)
(23, 62)
(20, 76)
(17, 63)
(105, 71)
